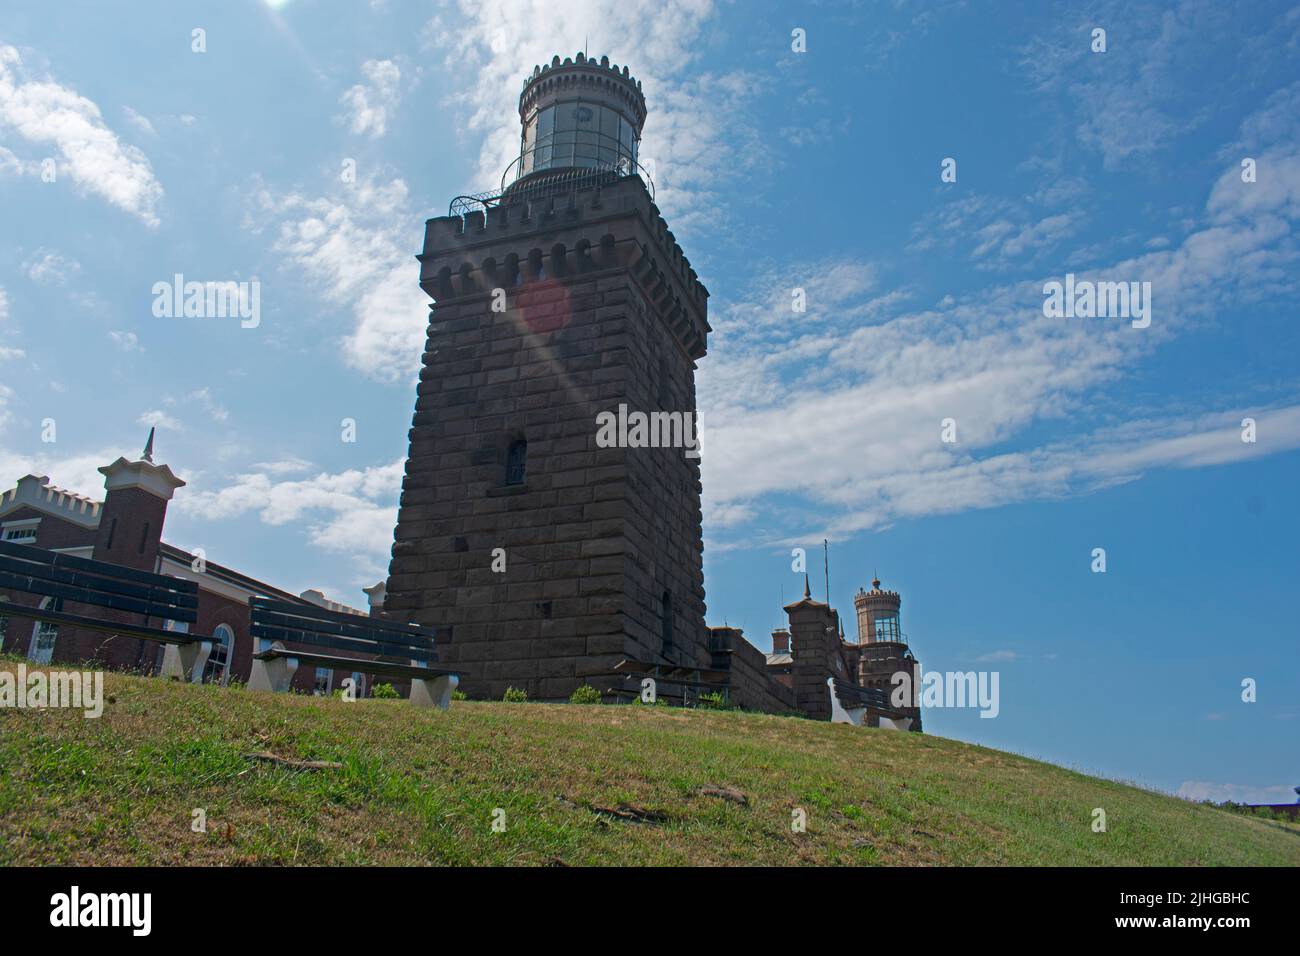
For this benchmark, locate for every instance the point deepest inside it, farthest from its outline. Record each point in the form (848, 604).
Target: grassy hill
(578, 784)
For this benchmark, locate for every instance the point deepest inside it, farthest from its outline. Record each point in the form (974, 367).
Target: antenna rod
(826, 559)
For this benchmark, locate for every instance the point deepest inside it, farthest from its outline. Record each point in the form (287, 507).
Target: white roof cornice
(156, 479)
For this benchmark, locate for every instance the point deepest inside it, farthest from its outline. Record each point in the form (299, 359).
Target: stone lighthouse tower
(883, 650)
(545, 556)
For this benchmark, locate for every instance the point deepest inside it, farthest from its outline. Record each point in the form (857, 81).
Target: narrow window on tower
(663, 392)
(516, 462)
(144, 536)
(666, 622)
(112, 530)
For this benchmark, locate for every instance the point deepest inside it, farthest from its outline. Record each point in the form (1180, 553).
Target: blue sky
(777, 170)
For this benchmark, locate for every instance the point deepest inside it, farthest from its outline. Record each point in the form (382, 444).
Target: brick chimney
(129, 534)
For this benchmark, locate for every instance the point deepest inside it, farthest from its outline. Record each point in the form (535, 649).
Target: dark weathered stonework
(601, 308)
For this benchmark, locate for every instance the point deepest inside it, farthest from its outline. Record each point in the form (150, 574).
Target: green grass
(419, 786)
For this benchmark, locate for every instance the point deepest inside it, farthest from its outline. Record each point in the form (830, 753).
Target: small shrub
(384, 692)
(458, 695)
(586, 694)
(714, 700)
(515, 695)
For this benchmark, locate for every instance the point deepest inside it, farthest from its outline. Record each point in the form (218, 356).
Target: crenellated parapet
(592, 228)
(35, 491)
(586, 76)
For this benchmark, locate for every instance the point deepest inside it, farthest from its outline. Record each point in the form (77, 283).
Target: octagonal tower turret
(578, 114)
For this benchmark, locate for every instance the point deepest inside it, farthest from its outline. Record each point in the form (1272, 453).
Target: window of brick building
(516, 462)
(217, 670)
(45, 634)
(666, 621)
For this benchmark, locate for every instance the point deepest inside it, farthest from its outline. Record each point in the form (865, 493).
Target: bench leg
(185, 662)
(275, 675)
(435, 692)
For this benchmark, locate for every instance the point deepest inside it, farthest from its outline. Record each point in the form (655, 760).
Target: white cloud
(47, 114)
(355, 248)
(77, 473)
(126, 341)
(9, 354)
(840, 408)
(4, 304)
(1236, 792)
(370, 104)
(139, 120)
(284, 466)
(204, 399)
(10, 163)
(49, 266)
(351, 512)
(159, 419)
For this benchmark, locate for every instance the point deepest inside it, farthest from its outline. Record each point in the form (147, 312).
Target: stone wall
(601, 309)
(750, 685)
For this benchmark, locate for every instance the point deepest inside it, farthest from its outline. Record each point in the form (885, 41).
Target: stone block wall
(593, 537)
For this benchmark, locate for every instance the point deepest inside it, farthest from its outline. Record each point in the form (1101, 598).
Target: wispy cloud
(156, 418)
(45, 113)
(1236, 792)
(839, 409)
(126, 341)
(354, 245)
(369, 105)
(48, 266)
(348, 512)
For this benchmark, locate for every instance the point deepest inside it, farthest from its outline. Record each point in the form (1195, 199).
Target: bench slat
(360, 630)
(348, 622)
(95, 624)
(84, 596)
(48, 571)
(49, 558)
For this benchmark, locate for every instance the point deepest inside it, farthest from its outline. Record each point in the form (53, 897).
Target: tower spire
(148, 447)
(807, 591)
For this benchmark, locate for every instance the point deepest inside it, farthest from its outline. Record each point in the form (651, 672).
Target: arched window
(217, 670)
(666, 621)
(45, 634)
(516, 461)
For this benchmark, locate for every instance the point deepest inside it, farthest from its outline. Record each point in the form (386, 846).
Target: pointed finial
(148, 448)
(807, 591)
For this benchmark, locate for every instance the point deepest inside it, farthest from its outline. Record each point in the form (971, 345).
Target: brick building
(126, 528)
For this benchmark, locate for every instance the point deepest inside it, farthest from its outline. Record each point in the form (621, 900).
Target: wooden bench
(100, 584)
(278, 623)
(685, 678)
